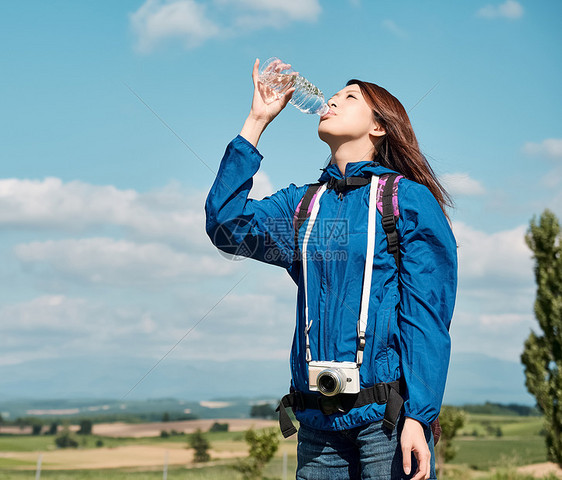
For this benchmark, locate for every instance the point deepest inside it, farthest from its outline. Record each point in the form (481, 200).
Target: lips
(330, 113)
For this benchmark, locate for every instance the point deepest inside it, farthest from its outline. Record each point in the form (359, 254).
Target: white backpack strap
(309, 226)
(368, 273)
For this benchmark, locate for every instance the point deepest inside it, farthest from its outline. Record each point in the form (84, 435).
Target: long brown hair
(399, 149)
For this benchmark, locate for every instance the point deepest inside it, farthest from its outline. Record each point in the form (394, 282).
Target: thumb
(255, 71)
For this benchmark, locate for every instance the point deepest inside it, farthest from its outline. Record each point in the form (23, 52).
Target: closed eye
(351, 96)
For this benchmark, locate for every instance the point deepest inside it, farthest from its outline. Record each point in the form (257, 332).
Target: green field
(489, 447)
(520, 443)
(36, 443)
(207, 473)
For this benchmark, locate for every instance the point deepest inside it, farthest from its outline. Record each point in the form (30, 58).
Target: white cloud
(55, 326)
(156, 21)
(242, 326)
(164, 232)
(504, 320)
(500, 336)
(550, 148)
(493, 314)
(119, 262)
(262, 186)
(52, 312)
(190, 21)
(307, 10)
(500, 260)
(462, 184)
(168, 214)
(509, 9)
(391, 26)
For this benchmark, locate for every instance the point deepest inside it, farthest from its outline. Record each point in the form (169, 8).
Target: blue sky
(106, 265)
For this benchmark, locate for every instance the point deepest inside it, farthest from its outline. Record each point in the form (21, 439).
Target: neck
(350, 152)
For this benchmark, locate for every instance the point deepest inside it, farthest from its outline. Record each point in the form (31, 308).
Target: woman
(402, 357)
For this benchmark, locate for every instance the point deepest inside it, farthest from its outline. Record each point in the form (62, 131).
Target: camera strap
(381, 393)
(367, 274)
(368, 271)
(311, 221)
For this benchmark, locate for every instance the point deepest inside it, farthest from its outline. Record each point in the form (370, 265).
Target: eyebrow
(349, 91)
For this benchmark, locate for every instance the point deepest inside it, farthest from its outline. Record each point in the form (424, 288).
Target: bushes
(263, 446)
(218, 427)
(66, 440)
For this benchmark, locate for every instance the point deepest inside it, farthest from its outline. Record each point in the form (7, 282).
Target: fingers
(287, 96)
(413, 441)
(424, 465)
(423, 459)
(406, 457)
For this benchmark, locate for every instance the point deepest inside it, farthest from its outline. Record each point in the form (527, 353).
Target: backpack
(387, 205)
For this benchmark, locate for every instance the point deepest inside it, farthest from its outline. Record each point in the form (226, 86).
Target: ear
(377, 130)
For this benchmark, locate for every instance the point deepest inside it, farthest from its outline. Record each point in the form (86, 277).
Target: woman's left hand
(413, 440)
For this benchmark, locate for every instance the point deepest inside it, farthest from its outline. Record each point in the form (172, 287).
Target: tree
(36, 425)
(262, 449)
(85, 427)
(53, 428)
(201, 445)
(263, 410)
(450, 419)
(542, 354)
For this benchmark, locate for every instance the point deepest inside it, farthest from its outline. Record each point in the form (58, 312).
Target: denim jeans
(367, 452)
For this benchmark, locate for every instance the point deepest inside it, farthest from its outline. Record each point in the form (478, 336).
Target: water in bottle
(279, 77)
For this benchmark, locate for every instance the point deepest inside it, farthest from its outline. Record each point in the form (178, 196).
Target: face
(349, 118)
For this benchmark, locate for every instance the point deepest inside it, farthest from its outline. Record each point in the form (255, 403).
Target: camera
(331, 378)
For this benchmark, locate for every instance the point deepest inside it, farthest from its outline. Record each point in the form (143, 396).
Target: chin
(324, 134)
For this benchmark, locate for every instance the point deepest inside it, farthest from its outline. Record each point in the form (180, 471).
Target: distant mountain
(115, 377)
(109, 410)
(475, 378)
(472, 379)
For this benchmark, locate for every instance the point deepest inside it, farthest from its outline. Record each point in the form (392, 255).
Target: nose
(331, 103)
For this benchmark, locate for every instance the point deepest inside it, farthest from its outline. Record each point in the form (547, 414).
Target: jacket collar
(365, 168)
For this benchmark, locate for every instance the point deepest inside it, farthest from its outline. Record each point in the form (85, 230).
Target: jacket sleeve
(258, 229)
(428, 285)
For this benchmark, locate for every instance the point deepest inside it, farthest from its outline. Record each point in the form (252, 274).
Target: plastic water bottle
(306, 97)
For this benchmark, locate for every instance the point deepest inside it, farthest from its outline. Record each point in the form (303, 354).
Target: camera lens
(331, 381)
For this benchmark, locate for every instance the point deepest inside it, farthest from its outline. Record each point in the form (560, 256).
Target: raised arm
(265, 105)
(236, 224)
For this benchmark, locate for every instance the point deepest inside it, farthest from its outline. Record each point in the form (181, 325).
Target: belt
(380, 393)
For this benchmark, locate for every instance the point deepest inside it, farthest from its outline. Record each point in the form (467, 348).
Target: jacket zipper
(328, 287)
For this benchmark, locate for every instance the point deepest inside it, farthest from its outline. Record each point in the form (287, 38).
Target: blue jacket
(409, 314)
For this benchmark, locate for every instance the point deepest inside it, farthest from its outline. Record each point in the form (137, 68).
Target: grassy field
(207, 473)
(489, 447)
(519, 444)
